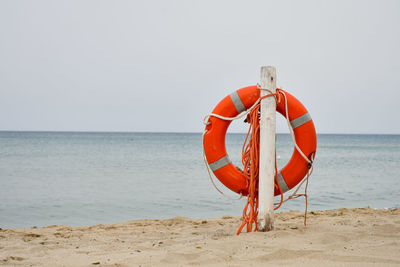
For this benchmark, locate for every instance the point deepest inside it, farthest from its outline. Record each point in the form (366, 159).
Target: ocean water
(91, 178)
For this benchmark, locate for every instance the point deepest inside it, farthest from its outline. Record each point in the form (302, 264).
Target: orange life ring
(234, 104)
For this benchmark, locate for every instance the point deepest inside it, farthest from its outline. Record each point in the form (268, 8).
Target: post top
(268, 78)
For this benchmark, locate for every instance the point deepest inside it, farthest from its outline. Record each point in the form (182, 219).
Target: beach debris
(13, 258)
(30, 237)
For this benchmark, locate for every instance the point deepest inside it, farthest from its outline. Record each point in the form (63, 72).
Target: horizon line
(168, 132)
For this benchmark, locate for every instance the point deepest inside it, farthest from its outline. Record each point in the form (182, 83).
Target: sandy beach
(344, 237)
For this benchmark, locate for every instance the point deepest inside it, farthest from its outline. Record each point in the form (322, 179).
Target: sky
(160, 66)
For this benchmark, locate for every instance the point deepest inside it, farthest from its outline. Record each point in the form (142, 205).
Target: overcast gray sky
(161, 65)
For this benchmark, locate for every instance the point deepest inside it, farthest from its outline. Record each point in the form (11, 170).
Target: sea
(79, 178)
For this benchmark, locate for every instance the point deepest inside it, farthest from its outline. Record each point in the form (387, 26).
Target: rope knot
(276, 95)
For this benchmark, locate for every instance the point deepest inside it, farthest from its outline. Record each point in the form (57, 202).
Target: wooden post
(267, 151)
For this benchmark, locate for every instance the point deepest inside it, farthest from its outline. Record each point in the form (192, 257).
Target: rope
(206, 117)
(291, 129)
(294, 195)
(210, 176)
(241, 115)
(250, 161)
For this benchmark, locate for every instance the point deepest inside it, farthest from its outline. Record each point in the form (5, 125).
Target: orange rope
(250, 170)
(250, 161)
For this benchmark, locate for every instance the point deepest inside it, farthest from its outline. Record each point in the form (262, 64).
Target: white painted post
(267, 151)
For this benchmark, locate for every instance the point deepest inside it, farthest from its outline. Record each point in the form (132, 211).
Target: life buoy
(239, 101)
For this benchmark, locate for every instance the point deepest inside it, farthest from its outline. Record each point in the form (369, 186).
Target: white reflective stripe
(237, 102)
(300, 120)
(222, 162)
(282, 183)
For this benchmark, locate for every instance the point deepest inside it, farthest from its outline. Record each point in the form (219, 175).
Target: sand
(344, 237)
